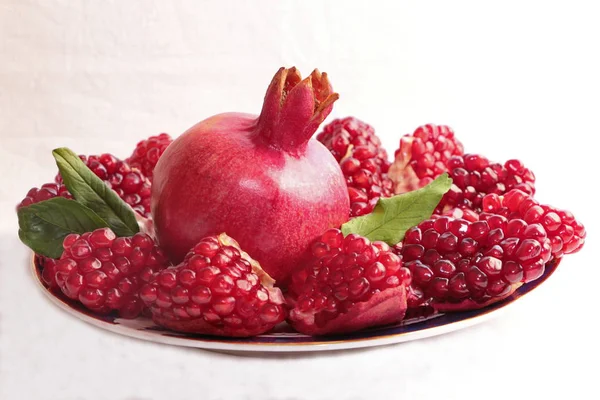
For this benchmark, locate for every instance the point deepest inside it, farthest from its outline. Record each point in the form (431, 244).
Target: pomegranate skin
(261, 181)
(384, 308)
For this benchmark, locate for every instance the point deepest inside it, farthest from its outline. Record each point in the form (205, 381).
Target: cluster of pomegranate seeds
(147, 152)
(129, 183)
(432, 150)
(342, 273)
(48, 270)
(566, 234)
(366, 184)
(474, 176)
(342, 133)
(218, 289)
(363, 161)
(105, 272)
(45, 192)
(422, 156)
(458, 265)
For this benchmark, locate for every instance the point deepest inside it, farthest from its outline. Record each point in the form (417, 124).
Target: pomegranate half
(259, 179)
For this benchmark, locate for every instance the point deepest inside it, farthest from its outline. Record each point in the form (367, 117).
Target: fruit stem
(294, 108)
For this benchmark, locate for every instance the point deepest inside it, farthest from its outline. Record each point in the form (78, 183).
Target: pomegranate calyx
(294, 108)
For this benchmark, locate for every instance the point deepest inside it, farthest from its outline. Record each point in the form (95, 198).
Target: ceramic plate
(283, 338)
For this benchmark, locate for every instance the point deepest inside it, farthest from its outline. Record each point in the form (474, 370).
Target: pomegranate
(217, 290)
(474, 176)
(459, 265)
(422, 156)
(566, 234)
(363, 161)
(347, 284)
(259, 179)
(129, 182)
(105, 272)
(45, 192)
(48, 270)
(148, 152)
(432, 150)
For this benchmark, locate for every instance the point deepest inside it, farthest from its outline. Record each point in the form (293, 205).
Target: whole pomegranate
(259, 179)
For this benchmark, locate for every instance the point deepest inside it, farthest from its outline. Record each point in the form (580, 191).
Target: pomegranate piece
(363, 161)
(474, 176)
(260, 179)
(45, 192)
(347, 284)
(129, 183)
(432, 150)
(217, 290)
(566, 234)
(48, 270)
(422, 156)
(460, 265)
(105, 272)
(342, 134)
(148, 152)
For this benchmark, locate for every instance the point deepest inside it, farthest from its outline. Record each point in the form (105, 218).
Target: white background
(515, 80)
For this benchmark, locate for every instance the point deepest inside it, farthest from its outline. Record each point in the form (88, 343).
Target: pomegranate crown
(294, 108)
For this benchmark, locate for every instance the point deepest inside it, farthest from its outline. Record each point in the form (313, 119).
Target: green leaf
(92, 192)
(393, 216)
(44, 225)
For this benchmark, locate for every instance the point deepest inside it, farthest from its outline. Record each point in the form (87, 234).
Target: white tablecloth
(516, 81)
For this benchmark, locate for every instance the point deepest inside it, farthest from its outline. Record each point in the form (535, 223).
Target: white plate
(283, 338)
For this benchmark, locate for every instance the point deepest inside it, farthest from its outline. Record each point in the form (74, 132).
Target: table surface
(514, 82)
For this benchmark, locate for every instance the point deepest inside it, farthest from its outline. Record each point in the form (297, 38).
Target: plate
(283, 338)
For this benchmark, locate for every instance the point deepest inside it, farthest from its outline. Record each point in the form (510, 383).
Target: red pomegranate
(259, 179)
(347, 284)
